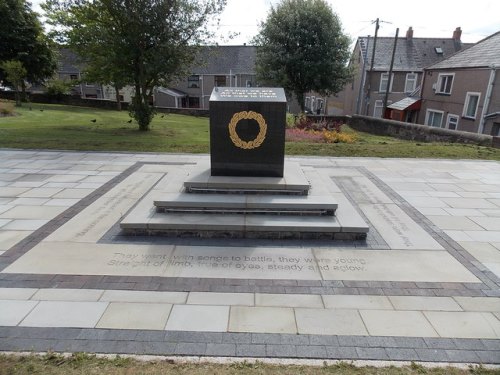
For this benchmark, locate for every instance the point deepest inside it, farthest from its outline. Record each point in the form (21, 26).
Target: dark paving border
(183, 343)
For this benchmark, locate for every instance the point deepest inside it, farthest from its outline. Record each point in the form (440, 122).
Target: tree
(15, 73)
(302, 48)
(23, 40)
(145, 42)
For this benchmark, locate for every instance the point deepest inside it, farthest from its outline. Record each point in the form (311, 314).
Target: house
(366, 93)
(463, 91)
(70, 69)
(215, 66)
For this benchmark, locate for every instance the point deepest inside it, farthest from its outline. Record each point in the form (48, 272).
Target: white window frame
(413, 80)
(467, 102)
(378, 105)
(442, 76)
(307, 102)
(428, 116)
(452, 118)
(384, 77)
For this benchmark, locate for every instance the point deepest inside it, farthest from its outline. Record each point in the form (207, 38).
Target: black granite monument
(247, 131)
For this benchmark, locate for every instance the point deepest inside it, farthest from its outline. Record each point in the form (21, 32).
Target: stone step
(294, 182)
(247, 204)
(243, 226)
(145, 220)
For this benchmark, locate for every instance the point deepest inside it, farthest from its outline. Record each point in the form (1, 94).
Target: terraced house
(366, 93)
(462, 92)
(218, 66)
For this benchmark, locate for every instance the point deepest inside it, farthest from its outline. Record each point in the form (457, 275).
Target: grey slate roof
(483, 54)
(222, 59)
(413, 54)
(69, 62)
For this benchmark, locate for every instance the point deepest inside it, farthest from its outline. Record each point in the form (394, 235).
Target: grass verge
(44, 126)
(80, 363)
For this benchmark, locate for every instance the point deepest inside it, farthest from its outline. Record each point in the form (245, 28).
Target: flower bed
(307, 130)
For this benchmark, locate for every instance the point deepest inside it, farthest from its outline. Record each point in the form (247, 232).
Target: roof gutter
(487, 99)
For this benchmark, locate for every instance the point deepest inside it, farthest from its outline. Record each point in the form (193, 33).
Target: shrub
(6, 108)
(57, 88)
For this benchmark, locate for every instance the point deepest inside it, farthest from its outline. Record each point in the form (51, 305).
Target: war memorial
(248, 253)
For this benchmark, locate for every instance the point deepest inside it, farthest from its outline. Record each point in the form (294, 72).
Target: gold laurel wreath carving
(250, 115)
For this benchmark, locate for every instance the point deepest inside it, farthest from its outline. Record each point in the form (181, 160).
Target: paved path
(424, 286)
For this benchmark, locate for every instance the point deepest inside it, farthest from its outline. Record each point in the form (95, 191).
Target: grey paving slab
(227, 299)
(419, 303)
(12, 312)
(151, 316)
(262, 319)
(397, 323)
(461, 324)
(357, 302)
(65, 314)
(329, 322)
(292, 300)
(198, 318)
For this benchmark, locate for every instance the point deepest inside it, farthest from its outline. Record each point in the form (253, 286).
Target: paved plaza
(423, 286)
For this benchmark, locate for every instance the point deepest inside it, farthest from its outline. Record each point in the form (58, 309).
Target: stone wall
(416, 132)
(75, 100)
(184, 111)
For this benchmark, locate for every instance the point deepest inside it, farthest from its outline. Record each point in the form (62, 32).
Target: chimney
(409, 33)
(457, 34)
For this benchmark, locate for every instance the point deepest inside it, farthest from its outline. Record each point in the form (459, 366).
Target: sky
(428, 18)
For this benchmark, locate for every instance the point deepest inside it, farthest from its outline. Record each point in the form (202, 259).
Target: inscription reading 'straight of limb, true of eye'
(238, 262)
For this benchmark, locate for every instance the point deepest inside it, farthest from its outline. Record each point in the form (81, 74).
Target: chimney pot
(409, 33)
(457, 34)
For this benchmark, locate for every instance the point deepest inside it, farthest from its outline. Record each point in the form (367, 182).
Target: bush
(6, 108)
(141, 112)
(57, 88)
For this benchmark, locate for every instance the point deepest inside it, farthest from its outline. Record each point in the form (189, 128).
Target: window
(319, 106)
(73, 77)
(89, 84)
(411, 82)
(220, 81)
(377, 109)
(248, 83)
(194, 102)
(445, 81)
(384, 79)
(452, 122)
(307, 104)
(495, 129)
(438, 50)
(194, 81)
(434, 118)
(471, 104)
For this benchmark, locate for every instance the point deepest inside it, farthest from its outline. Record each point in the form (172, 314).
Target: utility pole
(374, 44)
(390, 73)
(371, 66)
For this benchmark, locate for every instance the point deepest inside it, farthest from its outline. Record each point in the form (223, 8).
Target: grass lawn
(80, 363)
(60, 127)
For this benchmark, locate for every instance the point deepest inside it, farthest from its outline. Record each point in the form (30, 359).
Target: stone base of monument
(245, 207)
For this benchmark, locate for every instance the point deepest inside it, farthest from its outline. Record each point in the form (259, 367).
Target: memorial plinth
(247, 193)
(247, 131)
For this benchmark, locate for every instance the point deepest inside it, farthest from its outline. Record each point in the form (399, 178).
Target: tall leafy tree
(23, 39)
(16, 74)
(145, 42)
(301, 47)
